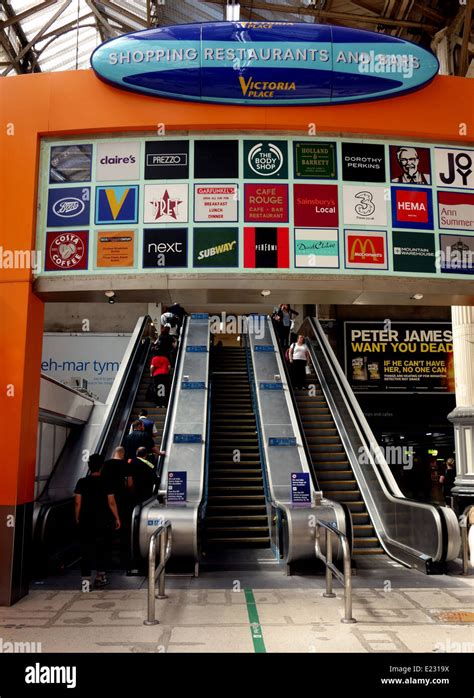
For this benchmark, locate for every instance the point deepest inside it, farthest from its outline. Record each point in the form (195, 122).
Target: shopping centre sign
(277, 63)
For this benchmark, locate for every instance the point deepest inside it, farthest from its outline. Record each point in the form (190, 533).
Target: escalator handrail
(304, 440)
(208, 449)
(172, 399)
(388, 484)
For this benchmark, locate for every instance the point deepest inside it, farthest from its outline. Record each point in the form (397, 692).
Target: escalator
(351, 469)
(331, 465)
(236, 508)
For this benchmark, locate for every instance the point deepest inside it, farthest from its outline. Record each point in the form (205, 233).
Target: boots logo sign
(264, 63)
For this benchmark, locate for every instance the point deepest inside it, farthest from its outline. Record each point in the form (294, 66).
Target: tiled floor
(397, 611)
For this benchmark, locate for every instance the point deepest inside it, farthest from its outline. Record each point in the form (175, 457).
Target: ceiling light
(110, 294)
(265, 292)
(428, 433)
(416, 297)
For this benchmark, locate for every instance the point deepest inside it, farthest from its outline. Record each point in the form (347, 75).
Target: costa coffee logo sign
(66, 251)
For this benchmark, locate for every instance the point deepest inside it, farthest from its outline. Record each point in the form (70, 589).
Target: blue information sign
(187, 438)
(199, 316)
(282, 441)
(264, 347)
(300, 490)
(193, 348)
(193, 385)
(177, 486)
(271, 386)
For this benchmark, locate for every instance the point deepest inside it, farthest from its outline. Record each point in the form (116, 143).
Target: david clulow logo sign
(264, 62)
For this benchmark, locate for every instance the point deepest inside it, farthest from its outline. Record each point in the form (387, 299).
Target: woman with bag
(299, 360)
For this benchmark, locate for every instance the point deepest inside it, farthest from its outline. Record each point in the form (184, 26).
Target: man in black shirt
(136, 439)
(141, 476)
(95, 510)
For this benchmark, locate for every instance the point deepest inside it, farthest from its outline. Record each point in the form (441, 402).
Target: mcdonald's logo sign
(366, 251)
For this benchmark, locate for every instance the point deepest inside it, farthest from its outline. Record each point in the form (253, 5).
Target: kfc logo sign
(365, 251)
(412, 208)
(165, 247)
(66, 251)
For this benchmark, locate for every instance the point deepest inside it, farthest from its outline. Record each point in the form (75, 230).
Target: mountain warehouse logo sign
(264, 62)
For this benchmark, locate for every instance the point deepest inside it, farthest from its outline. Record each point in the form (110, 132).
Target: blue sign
(116, 204)
(264, 347)
(271, 386)
(68, 206)
(282, 441)
(196, 348)
(300, 489)
(187, 439)
(177, 487)
(264, 63)
(193, 385)
(199, 316)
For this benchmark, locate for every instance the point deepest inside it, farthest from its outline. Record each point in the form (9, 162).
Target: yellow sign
(115, 248)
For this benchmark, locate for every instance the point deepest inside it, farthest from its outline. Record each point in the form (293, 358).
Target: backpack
(171, 320)
(287, 352)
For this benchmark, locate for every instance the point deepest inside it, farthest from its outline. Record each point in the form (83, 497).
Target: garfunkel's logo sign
(264, 63)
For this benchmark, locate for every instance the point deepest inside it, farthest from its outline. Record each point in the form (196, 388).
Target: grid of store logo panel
(311, 205)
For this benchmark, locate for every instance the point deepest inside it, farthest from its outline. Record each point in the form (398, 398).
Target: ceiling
(51, 35)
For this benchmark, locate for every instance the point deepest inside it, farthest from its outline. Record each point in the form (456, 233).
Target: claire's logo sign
(264, 63)
(68, 208)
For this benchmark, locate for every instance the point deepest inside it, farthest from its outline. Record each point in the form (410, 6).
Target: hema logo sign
(118, 161)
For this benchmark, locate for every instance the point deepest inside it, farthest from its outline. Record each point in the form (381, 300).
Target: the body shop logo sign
(265, 159)
(66, 251)
(68, 206)
(365, 250)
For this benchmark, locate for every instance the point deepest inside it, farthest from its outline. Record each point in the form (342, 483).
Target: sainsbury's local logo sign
(264, 63)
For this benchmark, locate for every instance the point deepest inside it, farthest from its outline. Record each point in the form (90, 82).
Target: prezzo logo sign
(156, 159)
(66, 251)
(265, 159)
(365, 251)
(167, 160)
(165, 247)
(118, 161)
(454, 168)
(166, 203)
(68, 205)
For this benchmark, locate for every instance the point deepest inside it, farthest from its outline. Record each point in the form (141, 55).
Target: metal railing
(464, 526)
(163, 533)
(345, 576)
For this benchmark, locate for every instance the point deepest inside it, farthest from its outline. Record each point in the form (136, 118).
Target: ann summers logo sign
(165, 247)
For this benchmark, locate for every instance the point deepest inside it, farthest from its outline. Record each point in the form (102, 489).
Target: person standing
(136, 439)
(299, 359)
(447, 480)
(141, 477)
(95, 511)
(159, 370)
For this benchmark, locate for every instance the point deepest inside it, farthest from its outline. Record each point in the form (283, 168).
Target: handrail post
(329, 592)
(162, 577)
(164, 533)
(151, 620)
(347, 583)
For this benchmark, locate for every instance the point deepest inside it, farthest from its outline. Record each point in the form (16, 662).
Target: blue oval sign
(276, 63)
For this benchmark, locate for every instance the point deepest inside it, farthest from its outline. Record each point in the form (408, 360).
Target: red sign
(267, 203)
(316, 205)
(66, 251)
(412, 206)
(365, 251)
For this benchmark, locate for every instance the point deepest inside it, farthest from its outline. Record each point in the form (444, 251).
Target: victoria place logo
(238, 324)
(68, 207)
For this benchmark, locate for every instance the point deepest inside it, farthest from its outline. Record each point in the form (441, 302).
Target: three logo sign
(68, 206)
(364, 205)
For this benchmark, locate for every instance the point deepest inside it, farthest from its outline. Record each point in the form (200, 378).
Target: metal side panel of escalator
(352, 469)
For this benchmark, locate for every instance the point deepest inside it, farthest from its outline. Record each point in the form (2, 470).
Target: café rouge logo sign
(264, 62)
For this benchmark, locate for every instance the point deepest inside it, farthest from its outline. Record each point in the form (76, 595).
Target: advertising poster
(300, 488)
(116, 204)
(67, 251)
(177, 487)
(216, 159)
(410, 165)
(267, 159)
(364, 205)
(70, 163)
(266, 248)
(165, 203)
(216, 247)
(314, 160)
(165, 247)
(414, 252)
(315, 205)
(115, 248)
(118, 160)
(365, 249)
(166, 159)
(68, 206)
(316, 248)
(412, 208)
(363, 162)
(456, 254)
(403, 357)
(216, 202)
(454, 168)
(456, 210)
(266, 203)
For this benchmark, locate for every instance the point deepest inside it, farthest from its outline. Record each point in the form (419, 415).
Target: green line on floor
(255, 627)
